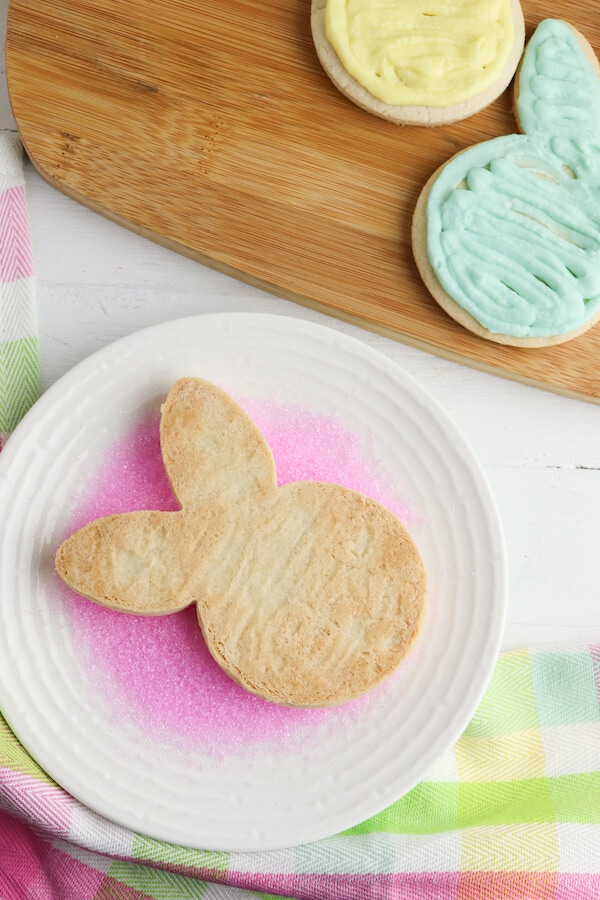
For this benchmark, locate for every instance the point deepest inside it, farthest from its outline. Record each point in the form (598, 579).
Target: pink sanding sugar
(156, 672)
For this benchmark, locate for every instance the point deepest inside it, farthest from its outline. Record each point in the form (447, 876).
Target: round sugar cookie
(506, 234)
(410, 69)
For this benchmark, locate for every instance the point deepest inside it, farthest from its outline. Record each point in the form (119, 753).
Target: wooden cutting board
(210, 127)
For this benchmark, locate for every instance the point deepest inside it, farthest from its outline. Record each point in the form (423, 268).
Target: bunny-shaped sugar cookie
(307, 594)
(506, 235)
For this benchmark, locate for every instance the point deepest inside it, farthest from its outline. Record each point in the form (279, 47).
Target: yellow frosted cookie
(419, 63)
(307, 595)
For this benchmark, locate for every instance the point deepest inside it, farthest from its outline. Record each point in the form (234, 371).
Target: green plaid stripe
(14, 756)
(19, 381)
(145, 848)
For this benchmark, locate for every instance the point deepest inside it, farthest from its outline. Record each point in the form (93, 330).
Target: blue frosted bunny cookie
(506, 235)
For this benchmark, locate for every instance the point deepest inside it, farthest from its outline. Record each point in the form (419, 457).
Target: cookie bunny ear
(558, 84)
(212, 451)
(146, 563)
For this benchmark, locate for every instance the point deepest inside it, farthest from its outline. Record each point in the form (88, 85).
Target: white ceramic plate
(346, 767)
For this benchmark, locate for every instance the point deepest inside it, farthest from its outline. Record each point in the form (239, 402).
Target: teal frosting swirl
(513, 224)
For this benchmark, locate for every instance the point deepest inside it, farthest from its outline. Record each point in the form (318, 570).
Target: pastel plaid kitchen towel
(511, 812)
(18, 323)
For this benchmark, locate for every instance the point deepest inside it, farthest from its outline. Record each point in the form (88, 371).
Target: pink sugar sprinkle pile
(156, 672)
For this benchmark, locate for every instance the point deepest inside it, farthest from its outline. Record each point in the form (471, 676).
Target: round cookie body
(507, 240)
(323, 597)
(421, 98)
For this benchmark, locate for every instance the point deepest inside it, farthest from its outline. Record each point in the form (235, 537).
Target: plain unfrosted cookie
(307, 595)
(438, 66)
(506, 235)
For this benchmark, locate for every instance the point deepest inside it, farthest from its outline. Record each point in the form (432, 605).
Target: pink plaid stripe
(578, 887)
(508, 886)
(372, 886)
(31, 868)
(44, 804)
(16, 258)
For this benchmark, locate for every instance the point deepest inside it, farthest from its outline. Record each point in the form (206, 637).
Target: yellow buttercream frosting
(421, 52)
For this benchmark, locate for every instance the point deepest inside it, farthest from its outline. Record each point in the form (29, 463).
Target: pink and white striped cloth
(19, 365)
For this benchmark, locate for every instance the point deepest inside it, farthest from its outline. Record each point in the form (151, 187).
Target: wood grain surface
(211, 128)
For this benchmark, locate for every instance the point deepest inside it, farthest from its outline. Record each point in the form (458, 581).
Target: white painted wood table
(97, 282)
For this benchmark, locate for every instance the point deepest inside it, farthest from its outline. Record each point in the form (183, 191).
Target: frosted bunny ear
(558, 84)
(212, 450)
(148, 563)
